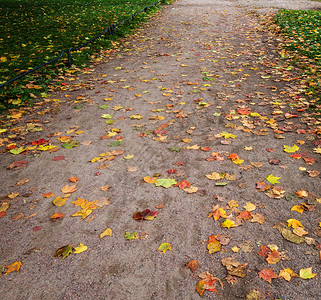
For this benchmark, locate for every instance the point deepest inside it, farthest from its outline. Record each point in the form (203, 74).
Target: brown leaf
(258, 218)
(193, 265)
(20, 164)
(22, 181)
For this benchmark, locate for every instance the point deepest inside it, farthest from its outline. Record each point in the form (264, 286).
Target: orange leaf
(14, 267)
(57, 216)
(183, 184)
(48, 195)
(267, 275)
(73, 179)
(149, 179)
(193, 265)
(273, 257)
(245, 215)
(69, 189)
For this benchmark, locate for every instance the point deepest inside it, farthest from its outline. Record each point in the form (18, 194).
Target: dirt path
(197, 87)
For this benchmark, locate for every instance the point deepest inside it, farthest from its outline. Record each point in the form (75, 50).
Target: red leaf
(143, 215)
(267, 275)
(206, 149)
(265, 251)
(172, 171)
(58, 158)
(37, 228)
(3, 213)
(183, 184)
(270, 149)
(40, 142)
(19, 164)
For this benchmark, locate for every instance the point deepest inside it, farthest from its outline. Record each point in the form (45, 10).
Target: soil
(195, 70)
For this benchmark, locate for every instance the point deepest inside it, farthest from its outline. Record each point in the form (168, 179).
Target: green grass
(302, 33)
(33, 32)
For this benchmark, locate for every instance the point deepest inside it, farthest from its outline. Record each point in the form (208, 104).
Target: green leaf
(131, 236)
(220, 183)
(70, 145)
(107, 116)
(115, 143)
(272, 179)
(165, 182)
(64, 251)
(109, 121)
(307, 273)
(17, 151)
(288, 235)
(104, 106)
(172, 149)
(164, 247)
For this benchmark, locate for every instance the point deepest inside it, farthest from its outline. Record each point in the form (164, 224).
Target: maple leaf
(59, 201)
(215, 176)
(183, 184)
(149, 179)
(64, 251)
(249, 206)
(273, 257)
(217, 213)
(172, 171)
(317, 150)
(207, 282)
(145, 215)
(48, 195)
(131, 236)
(80, 248)
(57, 216)
(307, 273)
(258, 218)
(164, 247)
(265, 251)
(272, 179)
(191, 190)
(213, 244)
(287, 274)
(106, 232)
(289, 149)
(302, 193)
(228, 224)
(294, 223)
(73, 179)
(19, 164)
(14, 267)
(245, 215)
(227, 135)
(166, 183)
(193, 265)
(233, 267)
(267, 275)
(67, 189)
(298, 208)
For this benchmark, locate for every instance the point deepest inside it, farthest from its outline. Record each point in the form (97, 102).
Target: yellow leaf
(289, 149)
(287, 274)
(4, 206)
(191, 190)
(249, 206)
(14, 267)
(164, 247)
(149, 179)
(294, 223)
(129, 156)
(317, 150)
(238, 161)
(13, 195)
(83, 213)
(194, 147)
(232, 204)
(228, 224)
(59, 201)
(80, 249)
(298, 208)
(215, 176)
(213, 247)
(107, 232)
(307, 273)
(235, 249)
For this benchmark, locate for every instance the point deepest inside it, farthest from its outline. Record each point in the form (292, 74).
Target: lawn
(34, 32)
(302, 32)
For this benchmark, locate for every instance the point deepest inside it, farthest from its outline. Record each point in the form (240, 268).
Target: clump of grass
(34, 32)
(302, 33)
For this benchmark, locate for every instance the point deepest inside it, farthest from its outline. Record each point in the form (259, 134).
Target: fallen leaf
(287, 274)
(273, 257)
(69, 189)
(20, 164)
(14, 267)
(267, 275)
(73, 179)
(193, 265)
(48, 195)
(288, 235)
(64, 251)
(164, 247)
(166, 183)
(272, 179)
(131, 236)
(80, 248)
(191, 190)
(107, 232)
(258, 218)
(307, 273)
(59, 201)
(57, 216)
(105, 188)
(145, 215)
(294, 223)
